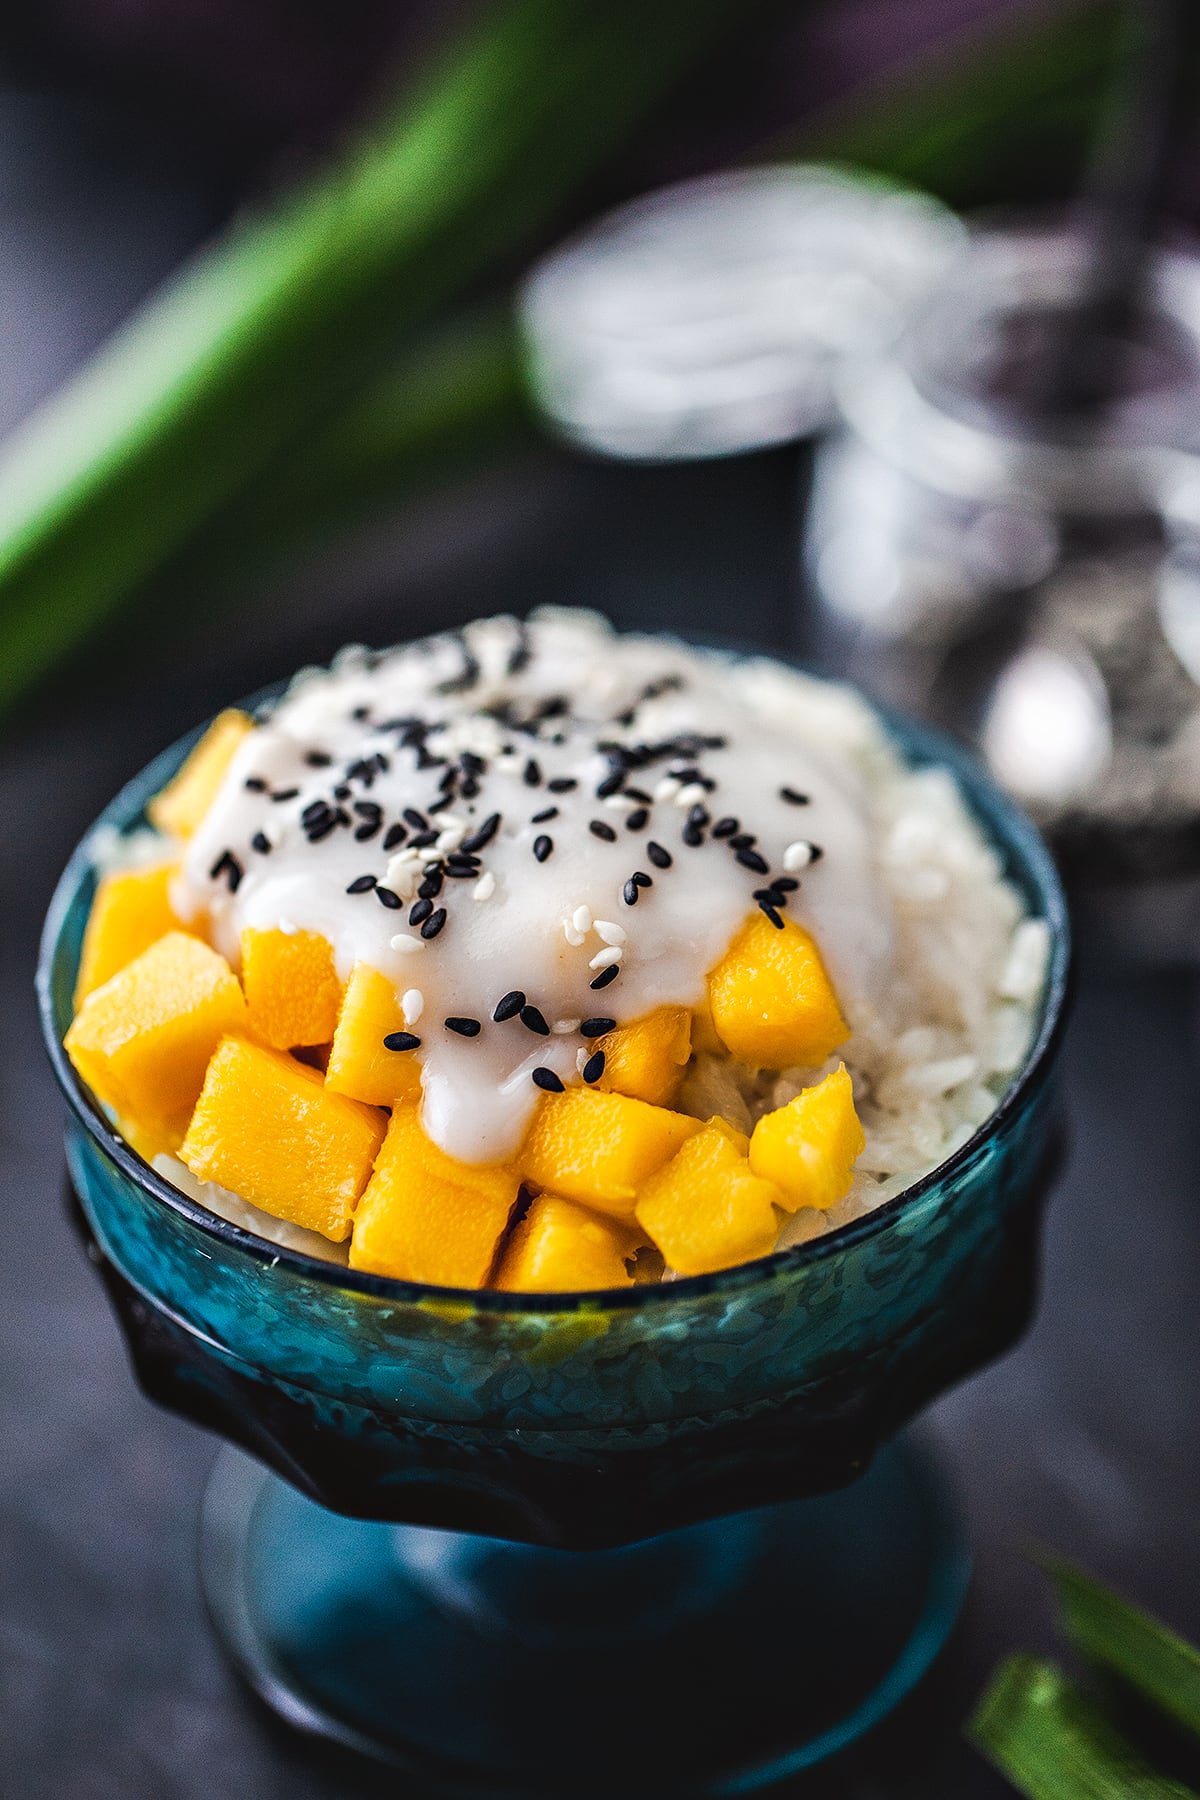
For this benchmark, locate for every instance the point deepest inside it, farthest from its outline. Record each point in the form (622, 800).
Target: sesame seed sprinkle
(389, 898)
(601, 829)
(362, 884)
(463, 1027)
(434, 923)
(547, 1080)
(605, 976)
(792, 797)
(662, 859)
(612, 953)
(261, 842)
(593, 1068)
(534, 1021)
(509, 1006)
(543, 847)
(401, 1040)
(412, 1005)
(598, 1027)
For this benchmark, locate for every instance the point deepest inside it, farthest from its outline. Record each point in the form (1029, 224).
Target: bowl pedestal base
(715, 1660)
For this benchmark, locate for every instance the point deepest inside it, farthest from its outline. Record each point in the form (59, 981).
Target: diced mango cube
(772, 1002)
(646, 1058)
(561, 1248)
(266, 1126)
(292, 988)
(707, 1209)
(425, 1216)
(599, 1148)
(186, 798)
(143, 1041)
(359, 1063)
(809, 1147)
(131, 910)
(704, 1033)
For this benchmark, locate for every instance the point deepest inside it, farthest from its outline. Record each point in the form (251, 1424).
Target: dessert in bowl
(598, 1254)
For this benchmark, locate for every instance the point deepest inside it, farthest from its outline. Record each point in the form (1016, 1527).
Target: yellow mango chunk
(292, 988)
(646, 1058)
(186, 798)
(359, 1064)
(707, 1209)
(426, 1217)
(131, 911)
(143, 1041)
(704, 1033)
(809, 1147)
(600, 1148)
(561, 1248)
(266, 1126)
(772, 1002)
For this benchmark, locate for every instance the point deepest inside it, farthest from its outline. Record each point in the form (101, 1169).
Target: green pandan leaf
(1053, 1743)
(1155, 1662)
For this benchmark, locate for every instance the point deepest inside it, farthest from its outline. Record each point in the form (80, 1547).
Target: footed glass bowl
(754, 1590)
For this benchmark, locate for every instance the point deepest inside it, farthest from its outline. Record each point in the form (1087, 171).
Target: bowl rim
(1017, 838)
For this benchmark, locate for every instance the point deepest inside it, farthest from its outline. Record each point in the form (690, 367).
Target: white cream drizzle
(546, 928)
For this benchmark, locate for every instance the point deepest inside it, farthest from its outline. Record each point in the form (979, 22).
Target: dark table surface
(1084, 1437)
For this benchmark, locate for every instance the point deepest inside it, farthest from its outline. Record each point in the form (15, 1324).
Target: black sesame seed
(547, 813)
(228, 865)
(431, 886)
(662, 859)
(394, 836)
(693, 836)
(464, 1027)
(596, 1027)
(792, 797)
(637, 819)
(785, 884)
(542, 847)
(386, 897)
(482, 835)
(470, 788)
(629, 893)
(775, 917)
(605, 976)
(547, 1079)
(599, 829)
(610, 785)
(419, 911)
(745, 840)
(315, 811)
(361, 713)
(770, 896)
(261, 842)
(423, 839)
(725, 828)
(533, 1020)
(815, 853)
(562, 784)
(401, 1040)
(416, 819)
(641, 879)
(281, 794)
(638, 794)
(434, 923)
(750, 859)
(342, 792)
(509, 1007)
(593, 1068)
(472, 764)
(317, 759)
(440, 805)
(254, 784)
(531, 775)
(365, 833)
(362, 884)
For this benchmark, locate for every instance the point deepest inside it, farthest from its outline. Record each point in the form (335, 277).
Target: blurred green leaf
(263, 335)
(1128, 1642)
(1053, 1743)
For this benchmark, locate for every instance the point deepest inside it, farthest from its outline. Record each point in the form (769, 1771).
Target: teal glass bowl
(576, 1422)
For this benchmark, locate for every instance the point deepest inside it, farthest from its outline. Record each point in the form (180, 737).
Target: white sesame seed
(609, 932)
(565, 1027)
(620, 802)
(603, 958)
(573, 937)
(406, 944)
(581, 919)
(797, 856)
(288, 927)
(666, 790)
(692, 795)
(582, 1058)
(450, 837)
(485, 887)
(412, 1006)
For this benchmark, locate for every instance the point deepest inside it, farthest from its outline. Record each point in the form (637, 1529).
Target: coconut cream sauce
(481, 732)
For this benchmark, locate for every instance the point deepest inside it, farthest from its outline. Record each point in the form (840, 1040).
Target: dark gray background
(1084, 1438)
